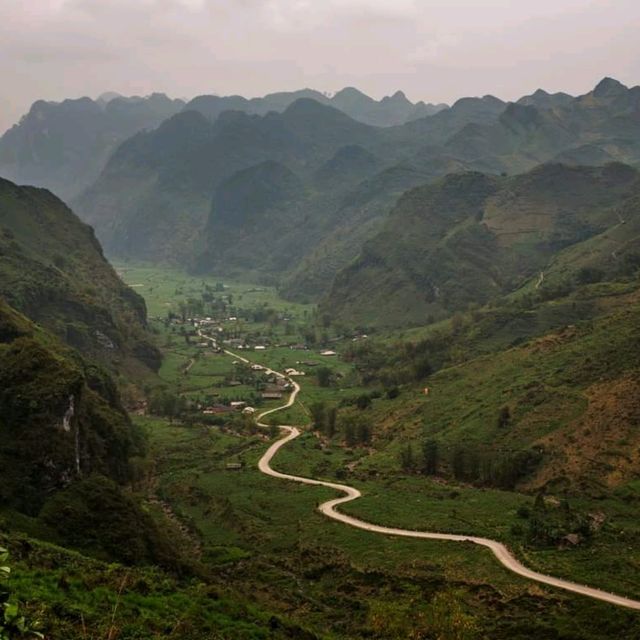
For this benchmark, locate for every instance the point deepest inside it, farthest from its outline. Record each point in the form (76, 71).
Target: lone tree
(363, 432)
(363, 401)
(323, 375)
(350, 435)
(430, 457)
(319, 415)
(332, 417)
(504, 417)
(406, 458)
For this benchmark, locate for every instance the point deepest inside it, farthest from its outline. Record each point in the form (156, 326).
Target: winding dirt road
(329, 509)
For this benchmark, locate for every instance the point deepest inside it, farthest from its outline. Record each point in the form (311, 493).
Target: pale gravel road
(328, 508)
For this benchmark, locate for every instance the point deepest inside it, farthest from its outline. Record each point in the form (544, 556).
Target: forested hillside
(165, 195)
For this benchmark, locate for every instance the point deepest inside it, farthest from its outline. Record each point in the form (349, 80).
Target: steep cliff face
(60, 418)
(52, 269)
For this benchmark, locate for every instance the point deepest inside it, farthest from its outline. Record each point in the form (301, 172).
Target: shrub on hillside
(97, 517)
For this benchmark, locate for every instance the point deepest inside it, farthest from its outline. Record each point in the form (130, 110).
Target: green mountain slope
(471, 238)
(52, 269)
(61, 418)
(544, 390)
(154, 197)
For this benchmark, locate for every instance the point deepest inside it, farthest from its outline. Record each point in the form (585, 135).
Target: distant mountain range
(64, 146)
(288, 188)
(391, 110)
(291, 197)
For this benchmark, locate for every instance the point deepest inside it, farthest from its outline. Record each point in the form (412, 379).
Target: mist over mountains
(456, 286)
(63, 146)
(288, 188)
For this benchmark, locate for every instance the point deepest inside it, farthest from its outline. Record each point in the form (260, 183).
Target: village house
(217, 409)
(271, 395)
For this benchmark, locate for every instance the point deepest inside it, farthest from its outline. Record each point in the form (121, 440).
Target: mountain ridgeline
(288, 188)
(390, 110)
(64, 146)
(313, 184)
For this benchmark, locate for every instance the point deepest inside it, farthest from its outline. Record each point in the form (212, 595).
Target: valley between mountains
(240, 307)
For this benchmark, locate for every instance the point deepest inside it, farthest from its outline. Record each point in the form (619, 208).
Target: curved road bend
(328, 508)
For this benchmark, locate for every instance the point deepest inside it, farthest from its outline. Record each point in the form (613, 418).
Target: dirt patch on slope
(603, 444)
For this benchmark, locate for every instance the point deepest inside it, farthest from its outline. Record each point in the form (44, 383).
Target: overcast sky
(434, 50)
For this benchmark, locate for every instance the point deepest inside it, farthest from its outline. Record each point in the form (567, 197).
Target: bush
(96, 516)
(12, 624)
(589, 275)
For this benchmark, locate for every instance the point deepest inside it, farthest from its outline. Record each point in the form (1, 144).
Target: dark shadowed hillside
(68, 448)
(52, 270)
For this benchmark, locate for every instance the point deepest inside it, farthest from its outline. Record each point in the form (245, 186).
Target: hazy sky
(435, 50)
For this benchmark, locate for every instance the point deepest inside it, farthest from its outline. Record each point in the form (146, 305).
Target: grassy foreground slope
(69, 596)
(268, 540)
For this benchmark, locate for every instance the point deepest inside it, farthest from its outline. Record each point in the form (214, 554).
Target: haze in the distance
(434, 50)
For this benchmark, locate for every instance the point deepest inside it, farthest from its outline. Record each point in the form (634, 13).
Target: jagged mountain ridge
(64, 146)
(389, 111)
(159, 192)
